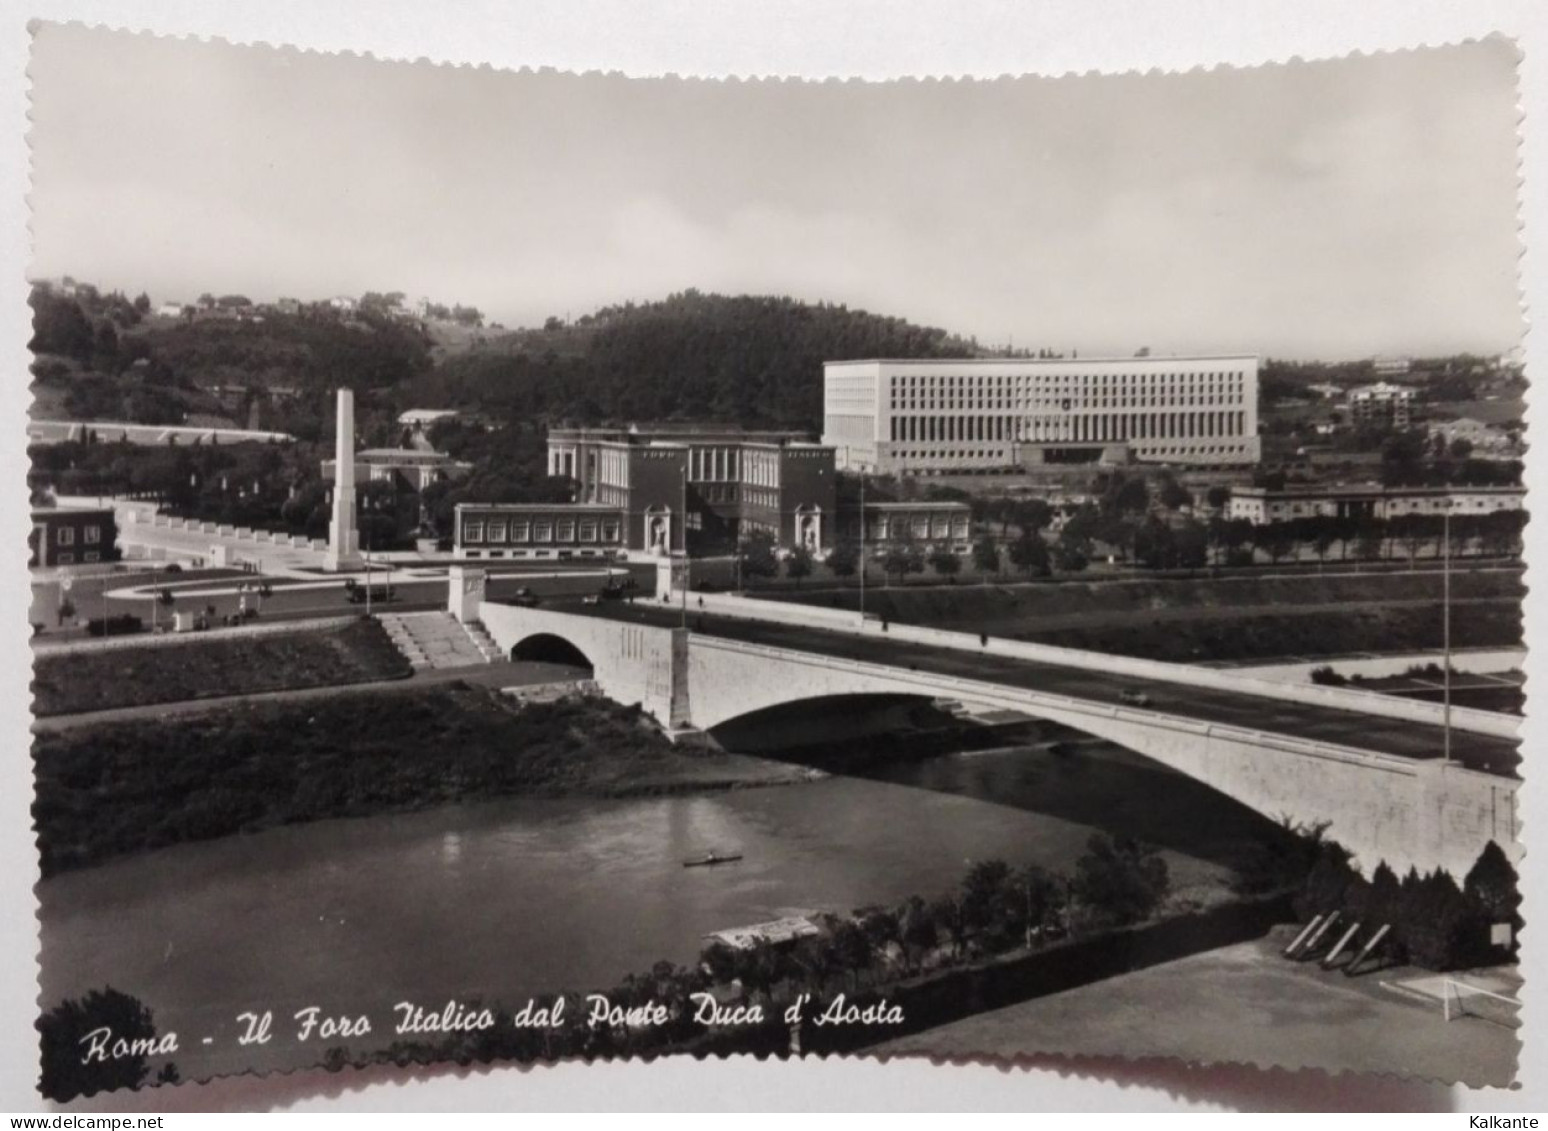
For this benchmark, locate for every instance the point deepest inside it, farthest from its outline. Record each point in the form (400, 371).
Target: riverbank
(117, 788)
(1281, 1013)
(197, 667)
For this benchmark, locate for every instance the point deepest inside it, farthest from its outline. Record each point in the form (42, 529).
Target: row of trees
(995, 909)
(1435, 922)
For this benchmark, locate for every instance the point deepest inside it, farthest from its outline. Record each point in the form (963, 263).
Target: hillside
(756, 360)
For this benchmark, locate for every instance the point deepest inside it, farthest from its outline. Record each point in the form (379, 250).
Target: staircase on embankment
(439, 640)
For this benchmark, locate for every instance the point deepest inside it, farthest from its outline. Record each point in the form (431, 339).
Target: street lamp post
(1446, 631)
(683, 579)
(862, 548)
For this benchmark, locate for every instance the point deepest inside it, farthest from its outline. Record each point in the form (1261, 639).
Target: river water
(509, 899)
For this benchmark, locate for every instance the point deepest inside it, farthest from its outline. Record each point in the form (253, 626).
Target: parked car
(357, 593)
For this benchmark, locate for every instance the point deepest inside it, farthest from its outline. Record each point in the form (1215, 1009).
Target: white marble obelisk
(343, 537)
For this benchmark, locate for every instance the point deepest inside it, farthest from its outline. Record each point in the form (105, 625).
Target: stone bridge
(1408, 811)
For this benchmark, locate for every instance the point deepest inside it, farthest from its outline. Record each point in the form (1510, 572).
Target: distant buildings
(938, 417)
(1483, 439)
(1381, 405)
(64, 536)
(420, 419)
(1262, 506)
(110, 432)
(947, 525)
(1392, 366)
(408, 469)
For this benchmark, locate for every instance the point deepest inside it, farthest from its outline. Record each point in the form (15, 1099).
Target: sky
(1333, 209)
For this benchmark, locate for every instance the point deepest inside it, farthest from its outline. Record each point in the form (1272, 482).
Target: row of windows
(1005, 455)
(68, 558)
(498, 531)
(91, 535)
(1099, 428)
(1107, 380)
(723, 464)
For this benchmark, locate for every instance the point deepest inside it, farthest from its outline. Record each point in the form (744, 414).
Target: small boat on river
(711, 858)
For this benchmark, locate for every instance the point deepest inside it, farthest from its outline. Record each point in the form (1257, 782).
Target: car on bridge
(1134, 697)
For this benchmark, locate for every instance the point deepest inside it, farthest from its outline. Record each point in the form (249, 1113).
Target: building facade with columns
(710, 484)
(952, 416)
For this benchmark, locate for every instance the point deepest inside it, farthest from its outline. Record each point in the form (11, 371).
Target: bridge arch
(824, 719)
(551, 648)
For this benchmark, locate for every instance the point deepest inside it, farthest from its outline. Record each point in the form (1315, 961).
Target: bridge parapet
(1341, 698)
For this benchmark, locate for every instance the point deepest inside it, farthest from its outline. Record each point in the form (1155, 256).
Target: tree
(1031, 514)
(944, 562)
(903, 555)
(1029, 553)
(843, 559)
(1218, 496)
(1120, 880)
(989, 906)
(1042, 894)
(757, 553)
(59, 326)
(1070, 558)
(68, 1024)
(799, 565)
(1190, 544)
(986, 555)
(1174, 495)
(1275, 541)
(1493, 884)
(1153, 544)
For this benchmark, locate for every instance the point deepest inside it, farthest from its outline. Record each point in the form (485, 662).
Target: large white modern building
(939, 417)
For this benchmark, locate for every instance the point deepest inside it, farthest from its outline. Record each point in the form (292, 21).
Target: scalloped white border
(865, 39)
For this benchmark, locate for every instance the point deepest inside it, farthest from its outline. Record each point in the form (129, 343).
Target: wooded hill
(754, 360)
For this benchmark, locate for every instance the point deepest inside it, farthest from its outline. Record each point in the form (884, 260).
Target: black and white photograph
(533, 566)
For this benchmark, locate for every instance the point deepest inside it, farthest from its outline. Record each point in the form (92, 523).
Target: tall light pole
(682, 581)
(1446, 630)
(862, 548)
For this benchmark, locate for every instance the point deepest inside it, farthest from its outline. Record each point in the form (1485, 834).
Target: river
(508, 899)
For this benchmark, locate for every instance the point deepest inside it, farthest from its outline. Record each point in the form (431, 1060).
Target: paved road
(1349, 728)
(300, 599)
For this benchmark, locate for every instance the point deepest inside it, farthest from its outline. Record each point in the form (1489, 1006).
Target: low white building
(1262, 506)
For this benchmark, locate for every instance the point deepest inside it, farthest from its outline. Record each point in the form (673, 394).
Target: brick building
(558, 531)
(64, 536)
(710, 483)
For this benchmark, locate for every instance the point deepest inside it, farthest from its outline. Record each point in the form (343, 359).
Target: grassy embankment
(1222, 619)
(119, 788)
(86, 680)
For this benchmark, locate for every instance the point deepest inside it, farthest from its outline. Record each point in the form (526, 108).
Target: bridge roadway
(1420, 741)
